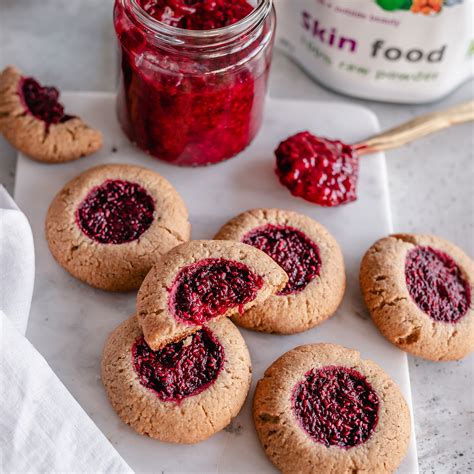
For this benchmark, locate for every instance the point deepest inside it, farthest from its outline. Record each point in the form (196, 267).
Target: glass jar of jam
(193, 75)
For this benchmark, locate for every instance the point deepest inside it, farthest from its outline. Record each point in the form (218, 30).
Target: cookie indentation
(319, 170)
(292, 250)
(43, 102)
(436, 284)
(116, 212)
(336, 406)
(210, 287)
(181, 369)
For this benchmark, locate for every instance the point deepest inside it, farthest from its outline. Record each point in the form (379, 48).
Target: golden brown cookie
(183, 393)
(110, 225)
(203, 280)
(418, 289)
(33, 120)
(310, 256)
(321, 408)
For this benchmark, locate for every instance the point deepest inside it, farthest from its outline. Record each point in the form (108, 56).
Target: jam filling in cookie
(436, 284)
(319, 170)
(42, 102)
(116, 212)
(210, 287)
(292, 250)
(197, 14)
(181, 369)
(336, 406)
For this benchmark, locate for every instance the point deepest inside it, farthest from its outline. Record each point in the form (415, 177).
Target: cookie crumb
(234, 428)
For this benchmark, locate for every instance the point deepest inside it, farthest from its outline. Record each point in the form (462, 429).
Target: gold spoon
(417, 128)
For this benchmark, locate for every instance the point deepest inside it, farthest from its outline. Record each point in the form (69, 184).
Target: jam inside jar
(190, 96)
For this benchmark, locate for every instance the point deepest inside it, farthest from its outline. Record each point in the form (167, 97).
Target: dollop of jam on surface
(210, 287)
(188, 110)
(296, 253)
(318, 170)
(42, 102)
(436, 284)
(336, 406)
(116, 212)
(181, 369)
(197, 14)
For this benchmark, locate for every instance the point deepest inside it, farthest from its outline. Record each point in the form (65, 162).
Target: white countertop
(71, 45)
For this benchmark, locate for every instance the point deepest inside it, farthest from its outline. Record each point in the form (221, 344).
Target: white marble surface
(62, 307)
(70, 43)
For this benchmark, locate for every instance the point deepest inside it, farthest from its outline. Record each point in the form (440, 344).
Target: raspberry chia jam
(193, 75)
(336, 406)
(181, 369)
(208, 288)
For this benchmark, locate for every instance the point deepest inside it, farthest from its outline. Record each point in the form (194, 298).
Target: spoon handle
(417, 128)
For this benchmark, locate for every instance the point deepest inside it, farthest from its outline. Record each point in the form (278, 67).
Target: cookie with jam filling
(310, 256)
(321, 408)
(418, 289)
(186, 391)
(111, 224)
(34, 121)
(201, 281)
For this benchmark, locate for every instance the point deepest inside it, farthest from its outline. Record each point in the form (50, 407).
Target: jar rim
(259, 13)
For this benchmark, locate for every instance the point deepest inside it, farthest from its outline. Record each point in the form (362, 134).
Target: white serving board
(70, 321)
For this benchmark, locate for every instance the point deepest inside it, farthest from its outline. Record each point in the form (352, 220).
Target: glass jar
(192, 97)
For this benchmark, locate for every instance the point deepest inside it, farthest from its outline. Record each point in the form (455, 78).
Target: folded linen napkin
(42, 427)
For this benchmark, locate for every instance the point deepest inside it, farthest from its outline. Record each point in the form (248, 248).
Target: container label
(416, 49)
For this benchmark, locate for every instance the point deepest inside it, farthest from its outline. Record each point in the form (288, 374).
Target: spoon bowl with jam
(325, 172)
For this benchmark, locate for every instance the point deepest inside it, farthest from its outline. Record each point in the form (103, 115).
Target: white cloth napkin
(42, 427)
